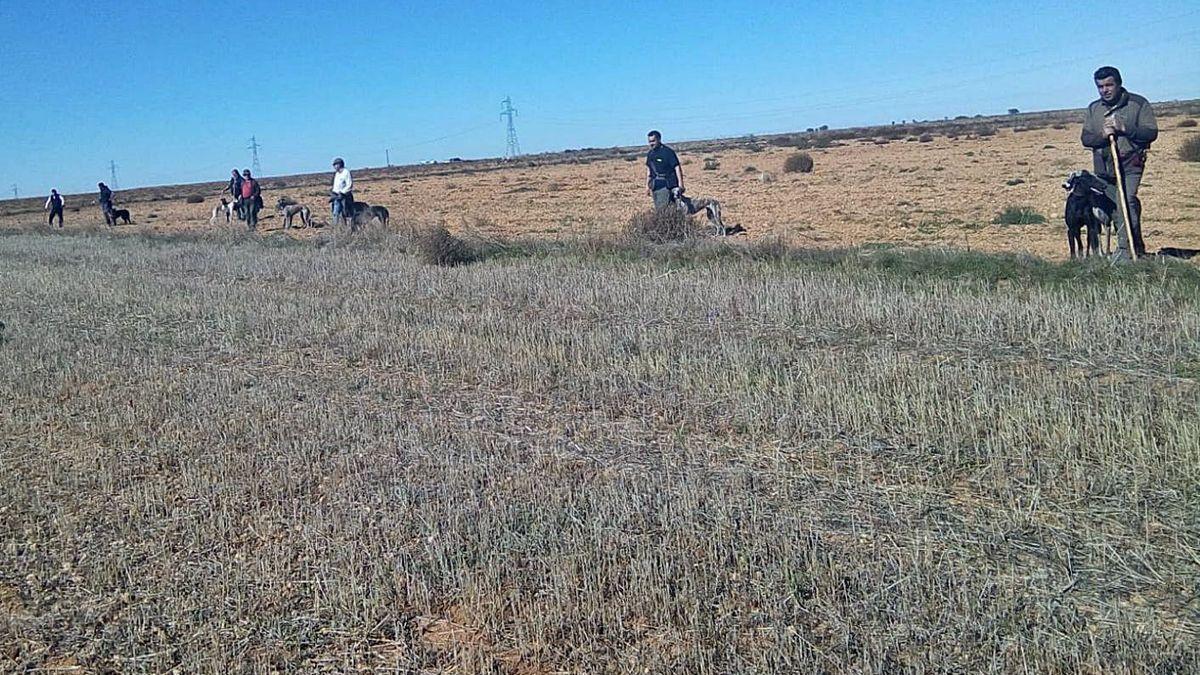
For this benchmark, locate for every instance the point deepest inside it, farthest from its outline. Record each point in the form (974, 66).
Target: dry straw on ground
(234, 455)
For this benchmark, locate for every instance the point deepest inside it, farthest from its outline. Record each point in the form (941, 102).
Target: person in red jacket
(251, 199)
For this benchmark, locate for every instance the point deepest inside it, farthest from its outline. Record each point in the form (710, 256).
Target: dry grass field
(242, 454)
(944, 192)
(872, 437)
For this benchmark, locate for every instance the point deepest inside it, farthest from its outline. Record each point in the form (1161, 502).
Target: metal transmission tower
(514, 146)
(16, 192)
(253, 148)
(112, 172)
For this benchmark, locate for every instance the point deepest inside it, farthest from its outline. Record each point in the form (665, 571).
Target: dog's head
(1080, 182)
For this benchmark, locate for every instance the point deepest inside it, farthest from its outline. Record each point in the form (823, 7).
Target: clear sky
(173, 91)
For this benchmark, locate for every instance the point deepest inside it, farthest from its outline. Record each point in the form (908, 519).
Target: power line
(253, 148)
(513, 148)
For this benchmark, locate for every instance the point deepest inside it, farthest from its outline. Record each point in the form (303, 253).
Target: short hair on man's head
(654, 133)
(1107, 72)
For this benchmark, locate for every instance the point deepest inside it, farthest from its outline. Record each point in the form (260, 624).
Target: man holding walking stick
(1122, 121)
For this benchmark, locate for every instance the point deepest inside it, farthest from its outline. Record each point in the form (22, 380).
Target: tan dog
(290, 211)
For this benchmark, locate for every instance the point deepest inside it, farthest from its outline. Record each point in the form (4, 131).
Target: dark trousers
(107, 208)
(250, 206)
(1133, 180)
(55, 212)
(345, 207)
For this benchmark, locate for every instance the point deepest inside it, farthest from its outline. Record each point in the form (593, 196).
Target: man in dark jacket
(1127, 117)
(664, 174)
(54, 204)
(106, 204)
(251, 195)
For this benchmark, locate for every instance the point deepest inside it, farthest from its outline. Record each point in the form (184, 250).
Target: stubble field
(248, 455)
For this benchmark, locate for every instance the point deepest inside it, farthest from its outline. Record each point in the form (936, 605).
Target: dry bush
(1019, 215)
(194, 199)
(435, 245)
(711, 164)
(925, 138)
(662, 225)
(1190, 150)
(800, 162)
(1187, 123)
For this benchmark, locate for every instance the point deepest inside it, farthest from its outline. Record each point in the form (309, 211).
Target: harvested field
(941, 191)
(228, 454)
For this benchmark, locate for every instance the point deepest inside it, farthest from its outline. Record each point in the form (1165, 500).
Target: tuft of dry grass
(1018, 215)
(799, 162)
(666, 224)
(223, 455)
(1187, 124)
(1190, 150)
(435, 245)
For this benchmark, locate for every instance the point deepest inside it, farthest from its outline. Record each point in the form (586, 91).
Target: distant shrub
(1187, 123)
(925, 138)
(750, 169)
(1190, 152)
(660, 226)
(711, 164)
(436, 246)
(195, 199)
(1019, 215)
(800, 162)
(1014, 181)
(985, 130)
(785, 141)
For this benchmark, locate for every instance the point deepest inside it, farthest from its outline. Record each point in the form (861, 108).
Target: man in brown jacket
(1130, 119)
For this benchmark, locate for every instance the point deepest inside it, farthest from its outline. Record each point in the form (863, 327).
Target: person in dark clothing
(54, 204)
(251, 195)
(235, 192)
(664, 173)
(1129, 118)
(106, 204)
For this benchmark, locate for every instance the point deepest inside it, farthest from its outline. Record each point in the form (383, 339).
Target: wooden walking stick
(1112, 144)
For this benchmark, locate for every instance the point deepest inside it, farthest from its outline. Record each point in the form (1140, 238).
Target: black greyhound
(1088, 207)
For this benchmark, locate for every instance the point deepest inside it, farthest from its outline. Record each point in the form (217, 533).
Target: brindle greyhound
(711, 208)
(290, 211)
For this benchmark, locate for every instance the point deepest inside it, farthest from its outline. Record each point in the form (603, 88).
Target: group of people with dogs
(1119, 128)
(246, 193)
(247, 202)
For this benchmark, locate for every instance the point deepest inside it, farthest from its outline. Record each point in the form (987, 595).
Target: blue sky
(173, 91)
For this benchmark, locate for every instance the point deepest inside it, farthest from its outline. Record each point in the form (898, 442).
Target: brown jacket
(1141, 130)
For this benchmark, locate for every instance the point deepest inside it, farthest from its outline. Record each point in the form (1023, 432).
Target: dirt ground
(945, 192)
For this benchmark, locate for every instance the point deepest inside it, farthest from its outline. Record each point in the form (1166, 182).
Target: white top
(342, 182)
